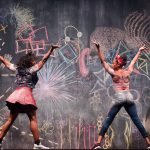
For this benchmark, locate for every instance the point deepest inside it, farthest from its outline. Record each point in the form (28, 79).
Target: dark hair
(124, 58)
(26, 61)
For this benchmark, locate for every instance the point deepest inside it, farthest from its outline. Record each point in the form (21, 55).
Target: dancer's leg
(110, 117)
(7, 125)
(34, 126)
(35, 131)
(131, 109)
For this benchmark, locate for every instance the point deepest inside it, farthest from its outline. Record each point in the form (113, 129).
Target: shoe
(148, 147)
(40, 146)
(96, 146)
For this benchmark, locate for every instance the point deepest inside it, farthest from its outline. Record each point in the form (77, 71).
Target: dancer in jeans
(22, 100)
(121, 80)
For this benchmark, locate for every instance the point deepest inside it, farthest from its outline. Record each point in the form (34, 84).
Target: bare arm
(131, 66)
(7, 64)
(40, 64)
(103, 61)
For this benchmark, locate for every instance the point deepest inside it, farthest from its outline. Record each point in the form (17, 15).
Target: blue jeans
(124, 99)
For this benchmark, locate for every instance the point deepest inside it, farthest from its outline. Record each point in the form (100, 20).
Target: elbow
(44, 60)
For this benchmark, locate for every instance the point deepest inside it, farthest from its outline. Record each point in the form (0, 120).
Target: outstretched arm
(131, 66)
(103, 61)
(40, 64)
(7, 64)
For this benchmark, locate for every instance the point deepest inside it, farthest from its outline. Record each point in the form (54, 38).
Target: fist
(142, 48)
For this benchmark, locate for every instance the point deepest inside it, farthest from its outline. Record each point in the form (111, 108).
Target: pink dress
(22, 99)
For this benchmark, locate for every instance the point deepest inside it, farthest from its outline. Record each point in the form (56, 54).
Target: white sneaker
(40, 146)
(148, 147)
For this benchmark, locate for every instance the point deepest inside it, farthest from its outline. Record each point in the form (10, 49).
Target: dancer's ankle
(37, 142)
(147, 140)
(99, 139)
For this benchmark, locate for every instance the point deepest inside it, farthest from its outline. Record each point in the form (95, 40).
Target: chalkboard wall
(74, 93)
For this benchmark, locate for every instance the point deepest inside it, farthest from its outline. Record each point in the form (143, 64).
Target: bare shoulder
(34, 68)
(128, 71)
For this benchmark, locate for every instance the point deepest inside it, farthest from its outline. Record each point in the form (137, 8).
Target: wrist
(52, 48)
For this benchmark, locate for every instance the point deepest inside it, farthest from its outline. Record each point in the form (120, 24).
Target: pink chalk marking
(21, 42)
(94, 135)
(21, 32)
(88, 130)
(38, 31)
(82, 66)
(30, 42)
(90, 137)
(76, 128)
(84, 129)
(38, 45)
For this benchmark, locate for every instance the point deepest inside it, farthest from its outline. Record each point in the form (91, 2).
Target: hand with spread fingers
(96, 44)
(55, 46)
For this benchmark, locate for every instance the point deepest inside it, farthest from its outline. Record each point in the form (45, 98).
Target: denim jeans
(123, 99)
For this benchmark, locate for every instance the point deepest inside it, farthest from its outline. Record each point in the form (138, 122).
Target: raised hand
(54, 46)
(142, 48)
(96, 44)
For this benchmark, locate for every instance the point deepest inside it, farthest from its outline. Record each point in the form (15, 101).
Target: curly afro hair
(27, 60)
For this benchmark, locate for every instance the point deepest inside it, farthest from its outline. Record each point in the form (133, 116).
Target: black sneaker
(97, 146)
